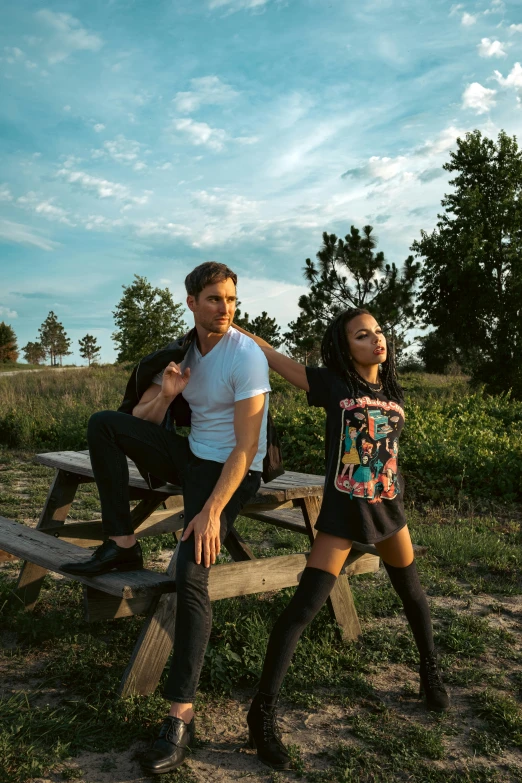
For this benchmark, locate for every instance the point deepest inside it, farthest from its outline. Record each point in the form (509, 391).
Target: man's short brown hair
(206, 274)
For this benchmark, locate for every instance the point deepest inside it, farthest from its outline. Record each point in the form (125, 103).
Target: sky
(147, 137)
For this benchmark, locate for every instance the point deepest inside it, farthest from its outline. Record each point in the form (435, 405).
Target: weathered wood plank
(238, 548)
(340, 601)
(91, 533)
(56, 507)
(286, 487)
(230, 580)
(153, 645)
(48, 553)
(7, 556)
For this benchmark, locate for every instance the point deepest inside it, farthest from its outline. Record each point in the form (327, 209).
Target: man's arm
(248, 417)
(155, 401)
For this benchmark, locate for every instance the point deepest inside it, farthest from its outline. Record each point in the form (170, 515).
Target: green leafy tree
(8, 346)
(303, 340)
(54, 340)
(34, 353)
(350, 273)
(89, 348)
(471, 281)
(147, 318)
(262, 326)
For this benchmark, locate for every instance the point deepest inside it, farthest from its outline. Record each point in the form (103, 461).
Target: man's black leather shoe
(108, 557)
(170, 749)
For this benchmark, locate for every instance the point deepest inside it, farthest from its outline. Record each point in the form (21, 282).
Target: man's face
(215, 306)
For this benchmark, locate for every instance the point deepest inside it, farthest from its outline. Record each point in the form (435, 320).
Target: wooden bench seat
(138, 588)
(48, 552)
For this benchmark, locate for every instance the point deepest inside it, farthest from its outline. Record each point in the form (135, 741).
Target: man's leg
(113, 437)
(193, 615)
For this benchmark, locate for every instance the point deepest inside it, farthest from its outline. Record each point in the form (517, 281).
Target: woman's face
(366, 341)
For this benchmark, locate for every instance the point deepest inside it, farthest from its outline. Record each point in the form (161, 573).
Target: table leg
(55, 510)
(156, 639)
(340, 602)
(154, 644)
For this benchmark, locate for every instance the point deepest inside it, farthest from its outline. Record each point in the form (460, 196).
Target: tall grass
(457, 444)
(50, 411)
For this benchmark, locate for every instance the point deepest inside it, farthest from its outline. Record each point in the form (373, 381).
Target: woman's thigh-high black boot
(311, 593)
(409, 589)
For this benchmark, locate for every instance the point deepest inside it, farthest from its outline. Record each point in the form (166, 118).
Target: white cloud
(219, 202)
(468, 19)
(489, 48)
(206, 90)
(455, 9)
(515, 28)
(122, 150)
(13, 53)
(164, 166)
(101, 223)
(161, 228)
(5, 312)
(479, 98)
(443, 142)
(67, 108)
(102, 187)
(513, 79)
(99, 127)
(199, 133)
(51, 211)
(21, 234)
(237, 5)
(67, 35)
(139, 166)
(5, 193)
(247, 139)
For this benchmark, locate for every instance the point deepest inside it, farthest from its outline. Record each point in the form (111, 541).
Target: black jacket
(178, 413)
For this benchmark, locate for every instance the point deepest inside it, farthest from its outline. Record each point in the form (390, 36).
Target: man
(224, 379)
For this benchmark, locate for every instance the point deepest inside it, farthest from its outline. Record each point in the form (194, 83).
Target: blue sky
(146, 137)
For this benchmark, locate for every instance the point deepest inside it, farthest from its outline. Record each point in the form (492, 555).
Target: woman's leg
(324, 564)
(398, 558)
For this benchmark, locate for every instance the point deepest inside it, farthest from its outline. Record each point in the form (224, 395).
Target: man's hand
(174, 381)
(206, 527)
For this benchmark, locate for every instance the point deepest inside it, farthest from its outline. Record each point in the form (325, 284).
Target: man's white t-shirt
(235, 369)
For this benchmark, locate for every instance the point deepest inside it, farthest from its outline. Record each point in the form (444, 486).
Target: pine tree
(89, 348)
(54, 340)
(303, 340)
(8, 347)
(350, 273)
(147, 318)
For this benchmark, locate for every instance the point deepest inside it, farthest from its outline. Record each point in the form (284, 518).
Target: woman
(357, 384)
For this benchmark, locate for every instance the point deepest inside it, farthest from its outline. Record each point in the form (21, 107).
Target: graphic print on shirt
(369, 446)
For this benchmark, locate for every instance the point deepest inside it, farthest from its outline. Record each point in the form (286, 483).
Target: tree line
(462, 281)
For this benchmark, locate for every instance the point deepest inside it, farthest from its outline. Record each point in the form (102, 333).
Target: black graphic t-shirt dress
(363, 492)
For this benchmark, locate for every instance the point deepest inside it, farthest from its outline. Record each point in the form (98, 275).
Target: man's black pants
(112, 437)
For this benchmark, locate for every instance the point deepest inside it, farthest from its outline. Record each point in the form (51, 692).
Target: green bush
(456, 444)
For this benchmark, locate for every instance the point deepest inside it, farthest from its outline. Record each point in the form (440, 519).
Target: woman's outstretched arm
(289, 369)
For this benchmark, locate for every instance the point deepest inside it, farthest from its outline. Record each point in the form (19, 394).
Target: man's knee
(191, 578)
(101, 422)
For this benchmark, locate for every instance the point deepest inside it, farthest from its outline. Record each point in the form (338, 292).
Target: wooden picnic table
(291, 502)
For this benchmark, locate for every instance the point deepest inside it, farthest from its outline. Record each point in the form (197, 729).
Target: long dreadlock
(335, 353)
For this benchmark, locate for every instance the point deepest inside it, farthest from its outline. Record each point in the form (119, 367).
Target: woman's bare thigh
(329, 553)
(397, 550)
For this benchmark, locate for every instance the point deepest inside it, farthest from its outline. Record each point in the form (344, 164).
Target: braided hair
(335, 353)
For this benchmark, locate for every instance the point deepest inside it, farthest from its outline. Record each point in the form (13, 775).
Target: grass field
(349, 712)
